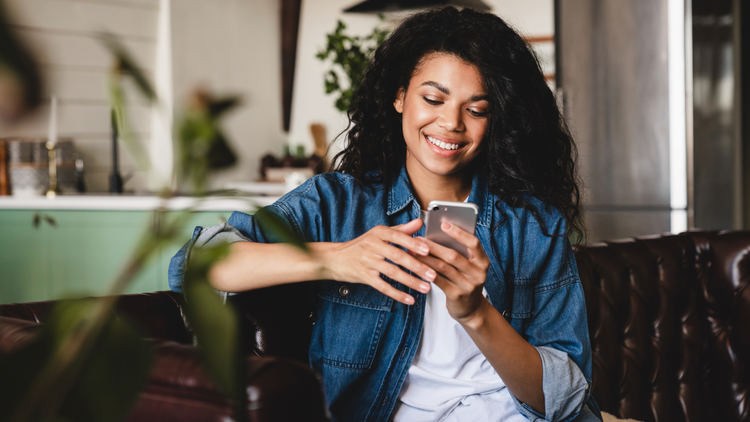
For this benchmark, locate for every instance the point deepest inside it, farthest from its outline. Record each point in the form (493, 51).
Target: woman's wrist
(477, 320)
(322, 258)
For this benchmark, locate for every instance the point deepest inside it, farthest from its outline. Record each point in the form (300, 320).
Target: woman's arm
(252, 265)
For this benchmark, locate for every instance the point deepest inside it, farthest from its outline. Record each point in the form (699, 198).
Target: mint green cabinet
(82, 254)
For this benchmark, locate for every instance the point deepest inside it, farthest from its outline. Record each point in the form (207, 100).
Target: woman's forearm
(252, 265)
(516, 361)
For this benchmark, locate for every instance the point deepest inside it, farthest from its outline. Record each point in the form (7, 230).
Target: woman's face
(444, 116)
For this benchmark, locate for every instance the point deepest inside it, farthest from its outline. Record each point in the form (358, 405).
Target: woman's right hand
(363, 259)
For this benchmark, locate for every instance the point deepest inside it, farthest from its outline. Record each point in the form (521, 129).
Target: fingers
(477, 256)
(467, 239)
(397, 274)
(409, 228)
(383, 287)
(446, 273)
(396, 236)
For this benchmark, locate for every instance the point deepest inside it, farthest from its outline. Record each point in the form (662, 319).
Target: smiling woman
(453, 107)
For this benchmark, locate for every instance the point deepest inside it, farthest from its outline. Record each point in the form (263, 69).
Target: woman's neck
(433, 187)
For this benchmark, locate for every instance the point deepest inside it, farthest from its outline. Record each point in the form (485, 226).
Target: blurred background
(652, 90)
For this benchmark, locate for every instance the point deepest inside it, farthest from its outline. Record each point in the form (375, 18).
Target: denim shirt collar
(400, 195)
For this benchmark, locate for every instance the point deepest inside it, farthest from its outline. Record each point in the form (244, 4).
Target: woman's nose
(450, 119)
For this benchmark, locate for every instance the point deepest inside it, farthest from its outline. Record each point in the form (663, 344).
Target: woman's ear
(398, 103)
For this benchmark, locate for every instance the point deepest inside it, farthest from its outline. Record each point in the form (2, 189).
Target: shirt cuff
(565, 388)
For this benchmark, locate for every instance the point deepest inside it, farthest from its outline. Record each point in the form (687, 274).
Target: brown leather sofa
(669, 318)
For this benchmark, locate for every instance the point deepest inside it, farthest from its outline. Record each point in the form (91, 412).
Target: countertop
(127, 202)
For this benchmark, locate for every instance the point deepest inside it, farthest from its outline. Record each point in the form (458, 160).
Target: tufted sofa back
(669, 320)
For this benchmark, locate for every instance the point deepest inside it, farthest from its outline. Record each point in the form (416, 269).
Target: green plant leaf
(20, 79)
(17, 371)
(276, 226)
(100, 384)
(120, 355)
(350, 56)
(219, 106)
(214, 323)
(127, 65)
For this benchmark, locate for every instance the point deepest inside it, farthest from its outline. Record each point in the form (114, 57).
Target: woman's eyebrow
(446, 91)
(437, 86)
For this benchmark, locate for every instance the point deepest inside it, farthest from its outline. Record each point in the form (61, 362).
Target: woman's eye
(476, 113)
(430, 101)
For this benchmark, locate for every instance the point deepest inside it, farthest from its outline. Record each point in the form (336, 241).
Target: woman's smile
(450, 145)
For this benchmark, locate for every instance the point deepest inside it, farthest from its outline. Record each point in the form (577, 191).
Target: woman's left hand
(461, 279)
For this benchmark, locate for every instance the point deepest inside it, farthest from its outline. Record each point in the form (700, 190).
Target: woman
(453, 107)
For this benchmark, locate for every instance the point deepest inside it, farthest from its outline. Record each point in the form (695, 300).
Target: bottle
(78, 176)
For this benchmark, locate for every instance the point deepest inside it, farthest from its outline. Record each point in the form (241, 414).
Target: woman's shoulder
(521, 217)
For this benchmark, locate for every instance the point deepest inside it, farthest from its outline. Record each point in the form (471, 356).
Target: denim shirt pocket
(350, 324)
(523, 299)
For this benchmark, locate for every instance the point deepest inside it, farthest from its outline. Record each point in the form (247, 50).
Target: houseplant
(349, 57)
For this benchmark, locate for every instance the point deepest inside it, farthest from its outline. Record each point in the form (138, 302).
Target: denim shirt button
(344, 290)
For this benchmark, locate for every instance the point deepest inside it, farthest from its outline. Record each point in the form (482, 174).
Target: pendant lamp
(378, 6)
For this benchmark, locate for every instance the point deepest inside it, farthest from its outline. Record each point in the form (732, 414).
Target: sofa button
(344, 290)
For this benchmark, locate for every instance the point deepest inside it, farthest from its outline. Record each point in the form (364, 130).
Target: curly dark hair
(528, 148)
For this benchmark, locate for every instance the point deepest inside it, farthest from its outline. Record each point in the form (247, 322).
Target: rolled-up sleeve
(202, 237)
(240, 227)
(566, 389)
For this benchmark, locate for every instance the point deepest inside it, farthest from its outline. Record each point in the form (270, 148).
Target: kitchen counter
(134, 203)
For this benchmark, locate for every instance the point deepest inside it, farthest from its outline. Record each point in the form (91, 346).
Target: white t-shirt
(450, 379)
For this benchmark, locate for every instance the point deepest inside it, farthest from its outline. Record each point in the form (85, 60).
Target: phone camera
(435, 208)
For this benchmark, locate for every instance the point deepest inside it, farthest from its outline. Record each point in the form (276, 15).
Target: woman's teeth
(442, 144)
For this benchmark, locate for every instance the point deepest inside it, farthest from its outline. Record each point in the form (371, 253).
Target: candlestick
(52, 134)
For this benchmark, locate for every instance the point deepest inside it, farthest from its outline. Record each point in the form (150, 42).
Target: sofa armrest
(179, 389)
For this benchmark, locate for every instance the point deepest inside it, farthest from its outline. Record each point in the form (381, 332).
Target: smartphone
(461, 214)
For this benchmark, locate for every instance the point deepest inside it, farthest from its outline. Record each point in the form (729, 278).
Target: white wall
(75, 66)
(311, 104)
(233, 47)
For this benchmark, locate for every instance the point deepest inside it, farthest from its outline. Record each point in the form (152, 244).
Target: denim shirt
(363, 342)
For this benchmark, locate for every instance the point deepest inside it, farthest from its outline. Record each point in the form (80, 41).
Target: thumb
(409, 228)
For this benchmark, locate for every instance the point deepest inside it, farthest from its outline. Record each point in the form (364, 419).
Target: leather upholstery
(669, 319)
(179, 389)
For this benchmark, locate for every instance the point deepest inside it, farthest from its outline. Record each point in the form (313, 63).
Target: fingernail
(424, 287)
(424, 249)
(430, 274)
(447, 225)
(409, 300)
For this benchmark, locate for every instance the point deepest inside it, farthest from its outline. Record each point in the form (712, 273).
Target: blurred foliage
(20, 80)
(349, 56)
(268, 221)
(214, 323)
(64, 374)
(125, 67)
(84, 364)
(202, 146)
(38, 217)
